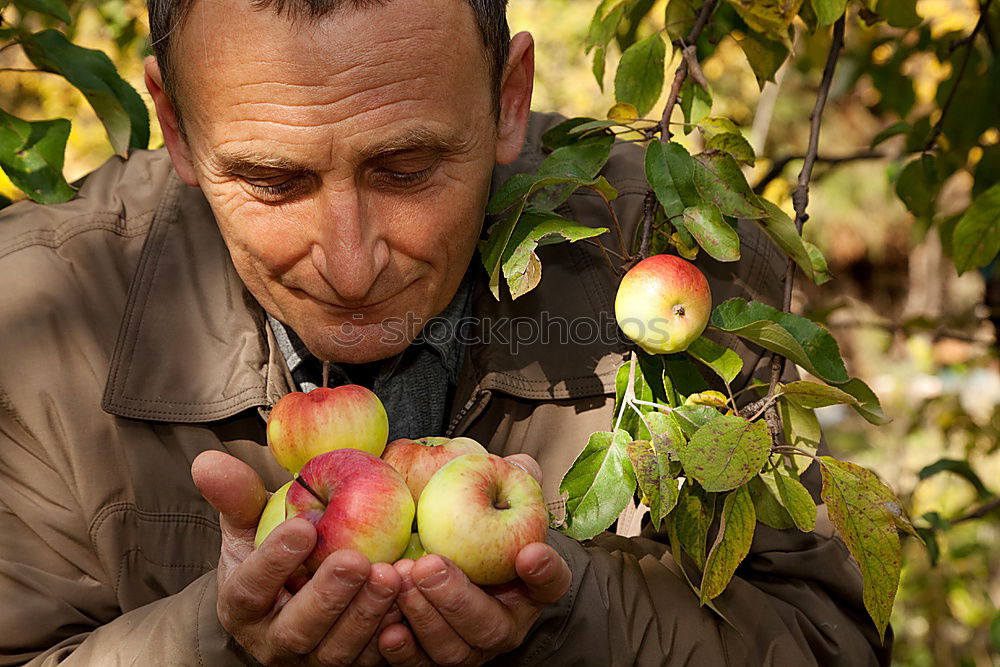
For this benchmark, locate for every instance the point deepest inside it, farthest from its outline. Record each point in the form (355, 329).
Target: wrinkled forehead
(231, 46)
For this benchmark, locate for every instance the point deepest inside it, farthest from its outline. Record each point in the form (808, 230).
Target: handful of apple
(471, 506)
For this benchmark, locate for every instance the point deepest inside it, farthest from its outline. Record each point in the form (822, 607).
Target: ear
(176, 145)
(515, 97)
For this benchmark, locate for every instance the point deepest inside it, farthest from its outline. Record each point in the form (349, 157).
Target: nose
(348, 249)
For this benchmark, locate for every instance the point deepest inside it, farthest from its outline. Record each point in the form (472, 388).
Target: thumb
(231, 487)
(527, 464)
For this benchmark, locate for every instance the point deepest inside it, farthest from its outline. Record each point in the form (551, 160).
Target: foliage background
(908, 325)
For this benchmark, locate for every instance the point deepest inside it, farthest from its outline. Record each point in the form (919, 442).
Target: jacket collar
(193, 344)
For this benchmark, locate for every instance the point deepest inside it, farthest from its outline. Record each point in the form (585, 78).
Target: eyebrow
(241, 161)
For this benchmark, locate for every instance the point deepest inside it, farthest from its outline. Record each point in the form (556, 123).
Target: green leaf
(724, 362)
(796, 499)
(960, 468)
(976, 239)
(828, 11)
(604, 24)
(116, 103)
(898, 127)
(821, 272)
(559, 135)
(670, 172)
(764, 54)
(858, 505)
(690, 418)
(657, 484)
(899, 13)
(598, 485)
(696, 102)
(491, 250)
(767, 507)
(868, 403)
(692, 518)
(917, 185)
(801, 429)
(813, 395)
(719, 179)
(594, 125)
(54, 8)
(521, 266)
(31, 154)
(716, 236)
(639, 79)
(679, 18)
(732, 544)
(683, 375)
(734, 145)
(795, 337)
(630, 420)
(769, 16)
(781, 229)
(599, 65)
(667, 436)
(727, 452)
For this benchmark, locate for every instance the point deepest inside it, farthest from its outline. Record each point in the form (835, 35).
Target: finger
(250, 590)
(307, 618)
(232, 487)
(430, 631)
(545, 574)
(527, 464)
(371, 656)
(359, 622)
(399, 647)
(478, 618)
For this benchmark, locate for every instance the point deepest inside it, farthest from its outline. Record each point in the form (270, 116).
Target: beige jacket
(128, 345)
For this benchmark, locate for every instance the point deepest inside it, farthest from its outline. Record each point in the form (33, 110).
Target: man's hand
(334, 619)
(454, 622)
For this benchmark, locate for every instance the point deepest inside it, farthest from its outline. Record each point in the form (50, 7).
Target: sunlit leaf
(813, 395)
(719, 179)
(860, 507)
(795, 337)
(639, 79)
(716, 236)
(623, 112)
(726, 452)
(868, 403)
(723, 361)
(732, 543)
(696, 102)
(598, 485)
(767, 507)
(796, 499)
(768, 16)
(733, 144)
(828, 11)
(764, 54)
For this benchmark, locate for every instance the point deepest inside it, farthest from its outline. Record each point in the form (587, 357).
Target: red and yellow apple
(356, 501)
(418, 460)
(303, 425)
(663, 304)
(479, 511)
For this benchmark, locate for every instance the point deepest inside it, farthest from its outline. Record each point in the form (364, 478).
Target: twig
(25, 69)
(779, 164)
(682, 69)
(979, 512)
(939, 125)
(788, 449)
(597, 244)
(658, 406)
(800, 197)
(629, 390)
(614, 219)
(648, 209)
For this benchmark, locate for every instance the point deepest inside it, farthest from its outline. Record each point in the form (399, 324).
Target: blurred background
(922, 336)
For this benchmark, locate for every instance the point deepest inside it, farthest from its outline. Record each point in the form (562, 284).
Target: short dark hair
(167, 16)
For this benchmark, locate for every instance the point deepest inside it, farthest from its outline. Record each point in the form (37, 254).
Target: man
(332, 162)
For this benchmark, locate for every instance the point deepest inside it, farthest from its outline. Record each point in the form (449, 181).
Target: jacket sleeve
(57, 602)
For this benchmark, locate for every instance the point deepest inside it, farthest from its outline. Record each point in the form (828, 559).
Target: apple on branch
(303, 425)
(356, 501)
(479, 511)
(663, 304)
(418, 460)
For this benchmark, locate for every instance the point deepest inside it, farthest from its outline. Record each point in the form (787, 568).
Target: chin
(356, 344)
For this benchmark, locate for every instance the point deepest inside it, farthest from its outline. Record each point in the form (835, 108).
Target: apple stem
(326, 374)
(301, 482)
(501, 505)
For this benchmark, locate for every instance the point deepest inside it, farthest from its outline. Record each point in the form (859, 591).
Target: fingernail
(406, 585)
(295, 542)
(378, 591)
(348, 576)
(539, 566)
(396, 647)
(432, 581)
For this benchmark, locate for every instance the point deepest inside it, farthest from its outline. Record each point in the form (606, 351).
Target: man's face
(347, 161)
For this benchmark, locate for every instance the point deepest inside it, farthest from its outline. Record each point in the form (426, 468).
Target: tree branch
(939, 125)
(779, 164)
(800, 197)
(979, 512)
